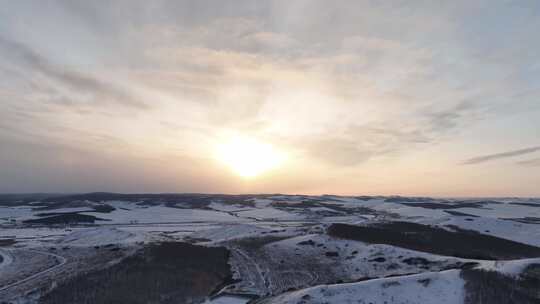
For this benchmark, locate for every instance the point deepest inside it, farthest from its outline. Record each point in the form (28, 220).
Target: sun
(248, 157)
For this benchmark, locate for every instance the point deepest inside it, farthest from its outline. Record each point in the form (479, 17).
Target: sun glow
(248, 157)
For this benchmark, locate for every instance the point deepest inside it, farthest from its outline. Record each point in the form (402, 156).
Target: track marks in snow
(61, 261)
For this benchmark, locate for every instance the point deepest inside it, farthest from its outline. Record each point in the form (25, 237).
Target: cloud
(66, 86)
(491, 157)
(338, 152)
(359, 143)
(342, 106)
(383, 82)
(535, 162)
(441, 121)
(320, 95)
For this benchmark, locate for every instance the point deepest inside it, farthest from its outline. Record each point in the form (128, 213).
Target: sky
(426, 98)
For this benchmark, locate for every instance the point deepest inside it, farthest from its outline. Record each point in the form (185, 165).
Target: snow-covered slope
(445, 287)
(229, 232)
(98, 236)
(512, 230)
(329, 259)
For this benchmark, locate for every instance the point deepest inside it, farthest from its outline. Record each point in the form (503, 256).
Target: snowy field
(280, 250)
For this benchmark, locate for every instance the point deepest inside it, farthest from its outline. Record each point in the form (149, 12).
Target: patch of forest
(460, 243)
(163, 273)
(65, 218)
(495, 288)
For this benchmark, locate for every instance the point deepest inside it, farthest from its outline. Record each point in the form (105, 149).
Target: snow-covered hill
(446, 287)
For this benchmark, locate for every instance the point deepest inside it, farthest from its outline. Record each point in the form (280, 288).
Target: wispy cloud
(491, 157)
(100, 90)
(535, 162)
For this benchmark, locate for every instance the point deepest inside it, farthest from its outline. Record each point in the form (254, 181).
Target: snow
(346, 199)
(489, 210)
(511, 268)
(184, 228)
(319, 257)
(227, 207)
(405, 211)
(355, 257)
(321, 209)
(6, 258)
(18, 213)
(230, 232)
(161, 214)
(65, 210)
(228, 299)
(97, 237)
(444, 287)
(123, 205)
(511, 230)
(343, 219)
(269, 214)
(262, 202)
(503, 211)
(32, 236)
(22, 213)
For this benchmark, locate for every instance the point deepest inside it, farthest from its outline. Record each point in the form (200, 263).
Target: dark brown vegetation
(335, 209)
(22, 199)
(160, 273)
(490, 287)
(446, 205)
(175, 200)
(526, 204)
(65, 218)
(525, 220)
(402, 199)
(255, 243)
(98, 209)
(7, 242)
(457, 213)
(460, 243)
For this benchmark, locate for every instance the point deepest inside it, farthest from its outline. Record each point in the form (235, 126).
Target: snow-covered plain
(161, 214)
(98, 236)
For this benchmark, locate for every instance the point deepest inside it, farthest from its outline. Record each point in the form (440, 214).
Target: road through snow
(59, 258)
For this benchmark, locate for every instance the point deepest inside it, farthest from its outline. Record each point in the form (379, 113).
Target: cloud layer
(360, 95)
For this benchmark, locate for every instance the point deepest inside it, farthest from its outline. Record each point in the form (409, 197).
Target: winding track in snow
(35, 275)
(258, 281)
